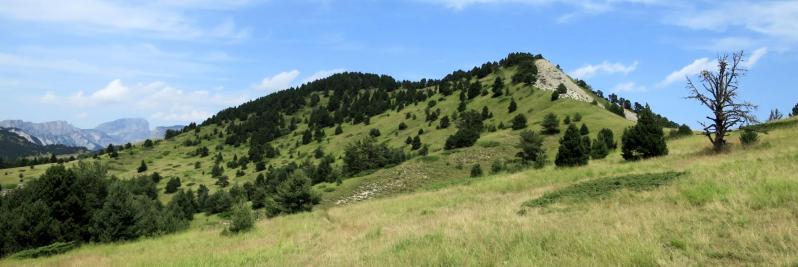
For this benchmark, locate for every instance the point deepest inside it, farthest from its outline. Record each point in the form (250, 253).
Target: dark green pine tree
(307, 136)
(416, 143)
(531, 146)
(584, 130)
(512, 107)
(599, 149)
(498, 87)
(486, 113)
(444, 123)
(551, 125)
(142, 167)
(519, 122)
(606, 136)
(474, 89)
(339, 130)
(572, 150)
(644, 140)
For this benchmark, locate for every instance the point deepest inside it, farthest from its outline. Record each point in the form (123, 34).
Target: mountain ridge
(117, 132)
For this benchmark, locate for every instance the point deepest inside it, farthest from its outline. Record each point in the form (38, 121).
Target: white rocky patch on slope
(550, 77)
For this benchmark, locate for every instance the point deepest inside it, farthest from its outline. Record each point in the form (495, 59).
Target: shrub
(497, 166)
(366, 154)
(599, 150)
(424, 150)
(531, 145)
(584, 130)
(172, 185)
(578, 117)
(555, 96)
(242, 219)
(748, 137)
(292, 195)
(512, 107)
(402, 126)
(476, 170)
(683, 130)
(519, 122)
(444, 123)
(468, 130)
(551, 125)
(608, 138)
(142, 167)
(374, 132)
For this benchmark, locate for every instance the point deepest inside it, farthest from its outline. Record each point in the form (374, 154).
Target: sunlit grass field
(735, 209)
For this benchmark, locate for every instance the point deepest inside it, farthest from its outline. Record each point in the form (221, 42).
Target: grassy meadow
(735, 209)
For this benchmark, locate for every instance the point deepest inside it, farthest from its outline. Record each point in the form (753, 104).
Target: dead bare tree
(718, 92)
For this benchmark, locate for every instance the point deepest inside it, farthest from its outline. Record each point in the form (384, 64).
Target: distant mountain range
(14, 144)
(117, 132)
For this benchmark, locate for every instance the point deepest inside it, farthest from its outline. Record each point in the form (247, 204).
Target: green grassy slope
(171, 157)
(737, 208)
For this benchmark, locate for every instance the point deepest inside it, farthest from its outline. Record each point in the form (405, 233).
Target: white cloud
(605, 67)
(321, 75)
(778, 19)
(755, 57)
(166, 104)
(280, 81)
(694, 68)
(49, 98)
(153, 18)
(627, 87)
(115, 91)
(585, 6)
(704, 63)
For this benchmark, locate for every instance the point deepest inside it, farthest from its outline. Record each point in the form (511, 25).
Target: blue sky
(175, 61)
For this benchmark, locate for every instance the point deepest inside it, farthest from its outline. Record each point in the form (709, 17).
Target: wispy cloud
(605, 67)
(702, 64)
(165, 20)
(164, 103)
(321, 75)
(694, 68)
(279, 81)
(583, 6)
(778, 19)
(628, 87)
(755, 57)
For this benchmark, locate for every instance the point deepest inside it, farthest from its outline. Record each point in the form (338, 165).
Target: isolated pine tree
(584, 130)
(572, 150)
(416, 144)
(142, 167)
(498, 87)
(444, 122)
(531, 145)
(512, 107)
(551, 125)
(519, 122)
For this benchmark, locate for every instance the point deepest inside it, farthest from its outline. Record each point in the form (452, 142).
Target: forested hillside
(343, 139)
